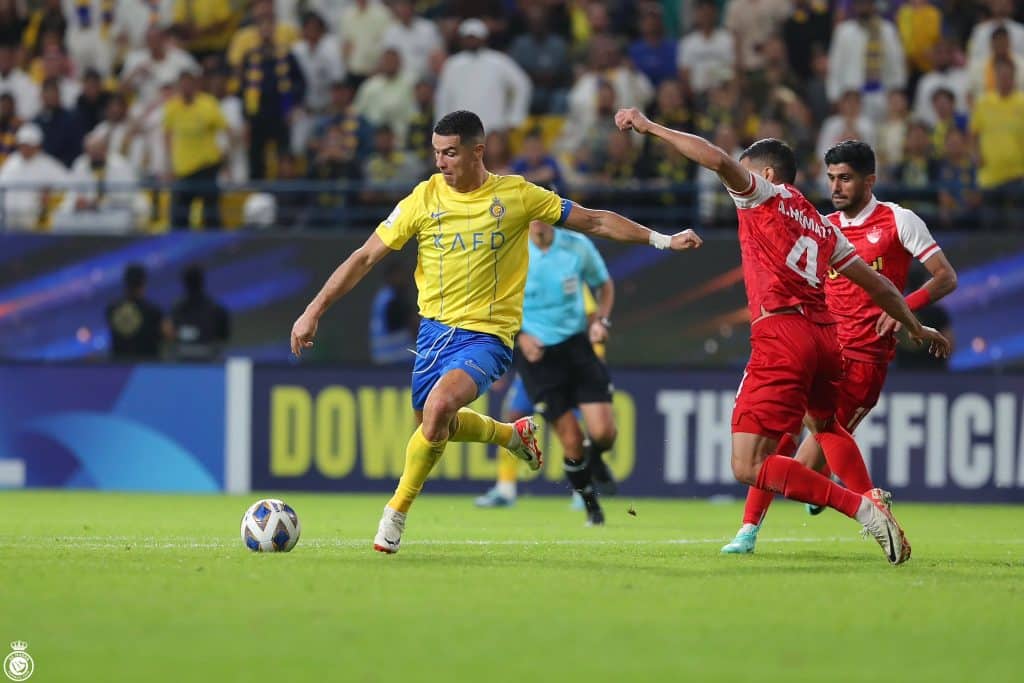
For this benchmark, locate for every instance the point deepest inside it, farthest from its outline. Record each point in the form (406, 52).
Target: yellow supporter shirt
(473, 255)
(248, 38)
(999, 124)
(193, 129)
(920, 28)
(203, 14)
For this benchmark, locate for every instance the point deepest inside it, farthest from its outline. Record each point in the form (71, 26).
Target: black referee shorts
(568, 374)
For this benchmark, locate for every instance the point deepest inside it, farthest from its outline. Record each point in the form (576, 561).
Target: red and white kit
(788, 249)
(887, 236)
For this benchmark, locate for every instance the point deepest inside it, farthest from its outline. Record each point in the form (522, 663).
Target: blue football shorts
(441, 349)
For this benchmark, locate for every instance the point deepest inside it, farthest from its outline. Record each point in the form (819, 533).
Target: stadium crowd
(100, 99)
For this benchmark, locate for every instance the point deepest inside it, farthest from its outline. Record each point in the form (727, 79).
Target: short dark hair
(465, 124)
(856, 153)
(774, 153)
(134, 276)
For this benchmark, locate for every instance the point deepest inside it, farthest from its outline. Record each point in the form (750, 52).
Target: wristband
(919, 299)
(659, 241)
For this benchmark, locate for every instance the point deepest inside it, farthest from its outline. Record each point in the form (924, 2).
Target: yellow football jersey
(473, 255)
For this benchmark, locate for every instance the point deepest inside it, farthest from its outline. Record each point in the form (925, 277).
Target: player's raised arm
(612, 226)
(342, 280)
(693, 147)
(889, 299)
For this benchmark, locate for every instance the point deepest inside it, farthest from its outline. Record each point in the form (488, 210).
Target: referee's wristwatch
(606, 322)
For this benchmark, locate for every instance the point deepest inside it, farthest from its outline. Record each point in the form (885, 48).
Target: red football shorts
(794, 368)
(859, 389)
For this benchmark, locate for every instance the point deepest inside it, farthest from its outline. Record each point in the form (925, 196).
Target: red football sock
(796, 482)
(758, 501)
(844, 458)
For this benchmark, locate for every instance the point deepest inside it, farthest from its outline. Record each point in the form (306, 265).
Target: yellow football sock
(472, 426)
(420, 457)
(508, 466)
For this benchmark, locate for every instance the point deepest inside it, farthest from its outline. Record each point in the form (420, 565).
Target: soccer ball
(270, 526)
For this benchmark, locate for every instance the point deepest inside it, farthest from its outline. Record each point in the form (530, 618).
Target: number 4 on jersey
(805, 250)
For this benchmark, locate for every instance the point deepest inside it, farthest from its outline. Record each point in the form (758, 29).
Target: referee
(556, 359)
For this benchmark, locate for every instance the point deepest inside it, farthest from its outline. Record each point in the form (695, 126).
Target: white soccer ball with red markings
(270, 526)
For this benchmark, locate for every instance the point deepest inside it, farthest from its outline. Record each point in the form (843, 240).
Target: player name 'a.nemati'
(817, 226)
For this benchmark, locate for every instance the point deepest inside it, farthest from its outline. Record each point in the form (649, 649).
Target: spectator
(48, 19)
(284, 34)
(92, 103)
(959, 198)
(103, 195)
(808, 28)
(393, 319)
(9, 124)
(363, 25)
(497, 155)
(387, 97)
(149, 152)
(848, 123)
(134, 19)
(116, 128)
(920, 28)
(670, 108)
(27, 209)
(133, 320)
(231, 140)
(335, 160)
(752, 23)
(417, 40)
(653, 53)
(90, 23)
(483, 81)
(979, 46)
(54, 64)
(944, 74)
(159, 61)
(997, 123)
(19, 84)
(982, 73)
(918, 172)
(946, 118)
(199, 326)
(357, 133)
(536, 165)
(62, 129)
(715, 206)
(892, 134)
(587, 139)
(707, 54)
(421, 127)
(192, 120)
(13, 21)
(319, 56)
(206, 27)
(389, 172)
(273, 87)
(866, 55)
(544, 56)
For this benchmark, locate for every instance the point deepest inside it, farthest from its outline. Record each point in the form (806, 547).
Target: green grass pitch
(108, 587)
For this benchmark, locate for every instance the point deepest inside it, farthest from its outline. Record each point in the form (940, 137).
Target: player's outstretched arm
(942, 282)
(693, 147)
(889, 299)
(612, 226)
(342, 280)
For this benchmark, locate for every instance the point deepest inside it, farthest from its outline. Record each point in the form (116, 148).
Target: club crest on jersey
(497, 208)
(874, 235)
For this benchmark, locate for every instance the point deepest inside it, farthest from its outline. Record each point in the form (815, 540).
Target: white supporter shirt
(236, 154)
(710, 60)
(22, 207)
(25, 93)
(363, 31)
(118, 175)
(322, 65)
(955, 80)
(147, 73)
(979, 45)
(416, 44)
(383, 100)
(132, 18)
(487, 82)
(846, 67)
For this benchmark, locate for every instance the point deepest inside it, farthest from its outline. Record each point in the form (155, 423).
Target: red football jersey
(787, 249)
(887, 237)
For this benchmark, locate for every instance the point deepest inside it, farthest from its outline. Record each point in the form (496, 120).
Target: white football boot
(389, 532)
(884, 528)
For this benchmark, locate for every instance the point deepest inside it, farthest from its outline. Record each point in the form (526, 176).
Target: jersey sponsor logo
(877, 265)
(472, 241)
